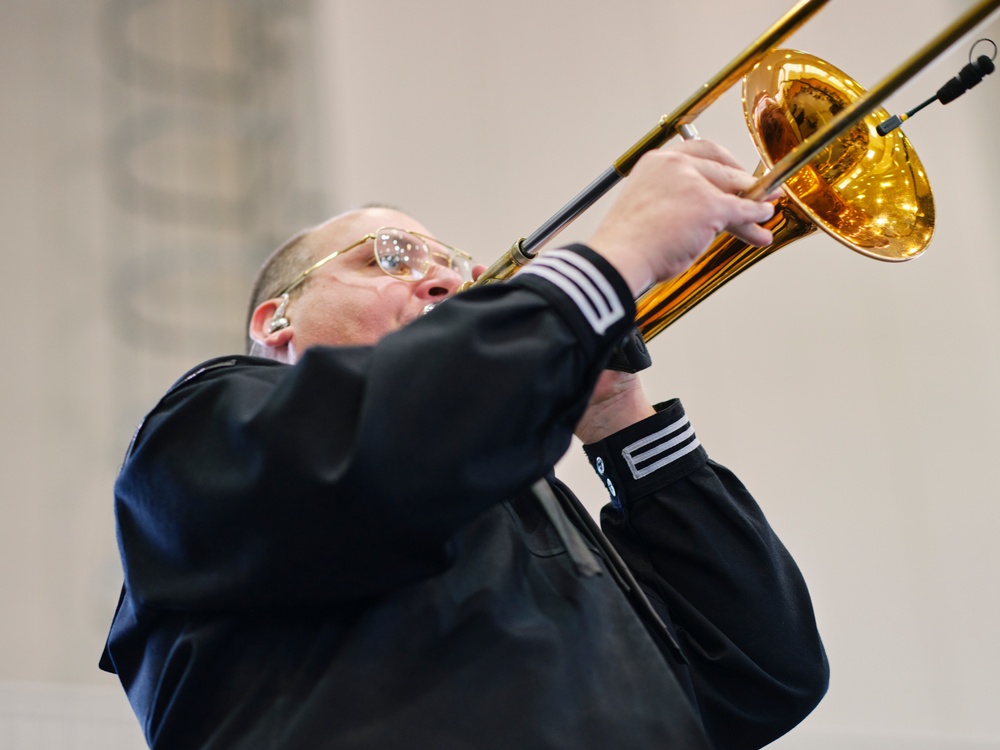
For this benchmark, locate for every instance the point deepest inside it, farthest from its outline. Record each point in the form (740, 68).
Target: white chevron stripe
(675, 447)
(604, 288)
(584, 284)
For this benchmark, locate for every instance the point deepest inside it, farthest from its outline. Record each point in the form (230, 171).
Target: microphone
(970, 75)
(967, 77)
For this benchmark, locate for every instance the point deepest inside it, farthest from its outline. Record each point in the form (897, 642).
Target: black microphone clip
(969, 76)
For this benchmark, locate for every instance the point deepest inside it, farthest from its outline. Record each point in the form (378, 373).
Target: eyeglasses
(401, 254)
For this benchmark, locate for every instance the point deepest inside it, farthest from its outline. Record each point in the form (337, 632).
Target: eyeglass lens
(409, 257)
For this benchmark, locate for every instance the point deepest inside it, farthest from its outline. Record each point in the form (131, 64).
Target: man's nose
(439, 282)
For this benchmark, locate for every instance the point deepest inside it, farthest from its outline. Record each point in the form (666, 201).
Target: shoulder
(225, 366)
(192, 393)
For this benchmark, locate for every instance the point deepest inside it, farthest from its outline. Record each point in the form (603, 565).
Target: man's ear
(268, 325)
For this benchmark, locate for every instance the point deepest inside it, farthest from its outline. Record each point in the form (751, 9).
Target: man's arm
(710, 562)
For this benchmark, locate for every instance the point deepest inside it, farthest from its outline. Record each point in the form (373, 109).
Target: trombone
(815, 129)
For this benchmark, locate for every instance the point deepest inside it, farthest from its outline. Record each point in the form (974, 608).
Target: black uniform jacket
(347, 553)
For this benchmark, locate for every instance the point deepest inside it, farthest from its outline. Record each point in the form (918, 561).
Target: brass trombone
(815, 130)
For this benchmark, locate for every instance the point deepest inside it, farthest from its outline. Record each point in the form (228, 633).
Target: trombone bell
(867, 191)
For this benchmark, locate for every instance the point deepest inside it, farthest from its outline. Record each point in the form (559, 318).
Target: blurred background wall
(154, 151)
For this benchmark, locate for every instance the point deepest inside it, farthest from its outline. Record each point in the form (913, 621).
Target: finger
(736, 182)
(752, 234)
(744, 211)
(711, 151)
(746, 220)
(728, 179)
(774, 196)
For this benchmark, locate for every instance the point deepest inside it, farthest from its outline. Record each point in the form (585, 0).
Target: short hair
(278, 271)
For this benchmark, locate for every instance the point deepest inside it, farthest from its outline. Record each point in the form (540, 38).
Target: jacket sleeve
(713, 567)
(254, 484)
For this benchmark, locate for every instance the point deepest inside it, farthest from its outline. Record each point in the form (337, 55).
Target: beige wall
(854, 398)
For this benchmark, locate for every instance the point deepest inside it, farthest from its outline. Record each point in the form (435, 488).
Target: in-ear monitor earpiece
(278, 320)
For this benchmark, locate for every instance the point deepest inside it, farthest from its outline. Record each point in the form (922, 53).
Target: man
(353, 539)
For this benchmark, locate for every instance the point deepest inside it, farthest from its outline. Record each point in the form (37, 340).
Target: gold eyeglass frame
(371, 236)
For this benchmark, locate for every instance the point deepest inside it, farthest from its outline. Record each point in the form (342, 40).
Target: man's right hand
(671, 207)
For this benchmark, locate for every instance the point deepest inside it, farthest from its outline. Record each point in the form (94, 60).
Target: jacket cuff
(647, 456)
(586, 289)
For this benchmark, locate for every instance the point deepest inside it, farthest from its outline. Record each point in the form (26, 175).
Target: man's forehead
(347, 228)
(354, 224)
